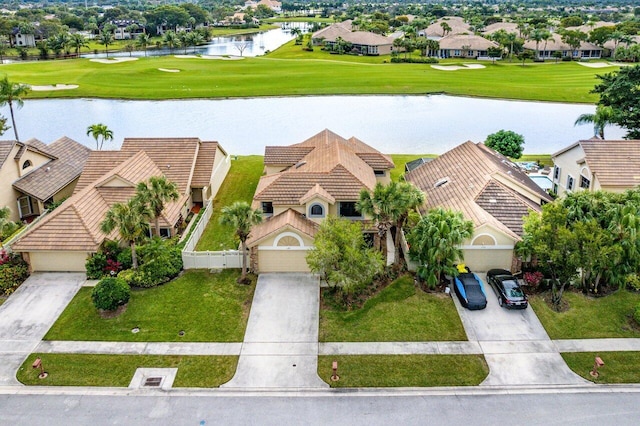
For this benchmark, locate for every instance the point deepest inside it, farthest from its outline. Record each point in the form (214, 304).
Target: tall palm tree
(155, 194)
(382, 206)
(105, 38)
(538, 35)
(77, 42)
(171, 40)
(100, 133)
(130, 220)
(143, 41)
(185, 40)
(242, 217)
(604, 116)
(10, 93)
(410, 199)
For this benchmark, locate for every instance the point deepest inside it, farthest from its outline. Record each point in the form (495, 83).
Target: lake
(392, 124)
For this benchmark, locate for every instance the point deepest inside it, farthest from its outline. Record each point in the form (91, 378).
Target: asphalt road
(348, 408)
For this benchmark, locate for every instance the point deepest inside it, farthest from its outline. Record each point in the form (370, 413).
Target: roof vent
(440, 182)
(168, 166)
(493, 200)
(300, 164)
(47, 169)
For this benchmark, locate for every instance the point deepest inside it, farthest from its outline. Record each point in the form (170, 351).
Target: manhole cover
(152, 382)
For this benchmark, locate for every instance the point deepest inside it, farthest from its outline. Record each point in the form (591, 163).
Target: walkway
(280, 348)
(28, 314)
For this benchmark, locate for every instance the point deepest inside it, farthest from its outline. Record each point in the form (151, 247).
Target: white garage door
(282, 260)
(58, 261)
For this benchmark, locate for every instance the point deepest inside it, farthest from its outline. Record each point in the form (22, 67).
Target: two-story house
(303, 184)
(597, 164)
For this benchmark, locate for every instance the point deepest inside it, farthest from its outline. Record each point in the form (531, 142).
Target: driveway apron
(516, 346)
(280, 347)
(29, 313)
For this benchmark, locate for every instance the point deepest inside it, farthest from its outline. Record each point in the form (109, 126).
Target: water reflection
(392, 124)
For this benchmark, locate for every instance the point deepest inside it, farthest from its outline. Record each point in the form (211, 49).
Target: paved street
(376, 407)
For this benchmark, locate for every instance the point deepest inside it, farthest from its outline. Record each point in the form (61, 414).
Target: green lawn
(404, 370)
(398, 313)
(619, 367)
(544, 159)
(208, 307)
(589, 318)
(400, 160)
(253, 77)
(118, 370)
(239, 185)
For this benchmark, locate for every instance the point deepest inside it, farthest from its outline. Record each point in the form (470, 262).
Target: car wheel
(500, 301)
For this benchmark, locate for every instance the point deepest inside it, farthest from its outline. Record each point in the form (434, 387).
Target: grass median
(590, 317)
(118, 370)
(399, 313)
(619, 367)
(254, 77)
(404, 370)
(207, 307)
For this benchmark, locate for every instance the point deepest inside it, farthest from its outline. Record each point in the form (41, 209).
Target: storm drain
(152, 382)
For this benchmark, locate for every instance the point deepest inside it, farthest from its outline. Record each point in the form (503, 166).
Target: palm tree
(538, 35)
(10, 93)
(105, 38)
(382, 206)
(184, 38)
(155, 194)
(170, 39)
(195, 39)
(100, 133)
(410, 199)
(78, 41)
(143, 41)
(130, 220)
(604, 116)
(445, 28)
(242, 217)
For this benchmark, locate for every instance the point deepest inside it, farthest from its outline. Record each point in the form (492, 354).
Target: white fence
(208, 259)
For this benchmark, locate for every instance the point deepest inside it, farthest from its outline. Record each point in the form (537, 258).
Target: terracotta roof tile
(288, 218)
(204, 164)
(607, 159)
(5, 150)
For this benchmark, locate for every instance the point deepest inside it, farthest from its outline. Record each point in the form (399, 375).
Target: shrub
(13, 271)
(533, 279)
(124, 258)
(160, 261)
(636, 314)
(632, 282)
(95, 266)
(398, 59)
(110, 293)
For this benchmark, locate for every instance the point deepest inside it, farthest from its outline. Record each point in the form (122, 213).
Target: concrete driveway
(280, 347)
(516, 346)
(29, 313)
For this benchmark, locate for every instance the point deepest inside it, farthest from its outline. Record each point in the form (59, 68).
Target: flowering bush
(4, 257)
(533, 279)
(13, 271)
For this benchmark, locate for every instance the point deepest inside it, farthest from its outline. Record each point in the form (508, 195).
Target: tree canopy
(507, 143)
(621, 91)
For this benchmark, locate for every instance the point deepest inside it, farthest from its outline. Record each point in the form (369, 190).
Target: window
(584, 182)
(24, 206)
(26, 164)
(569, 183)
(348, 209)
(379, 172)
(316, 210)
(456, 53)
(267, 208)
(165, 232)
(556, 174)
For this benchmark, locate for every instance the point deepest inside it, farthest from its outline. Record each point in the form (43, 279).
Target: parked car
(507, 289)
(470, 290)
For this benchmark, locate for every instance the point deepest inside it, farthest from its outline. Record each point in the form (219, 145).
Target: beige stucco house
(34, 174)
(464, 46)
(302, 185)
(62, 240)
(490, 191)
(597, 164)
(548, 48)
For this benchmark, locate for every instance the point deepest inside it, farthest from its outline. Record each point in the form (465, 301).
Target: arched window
(26, 164)
(316, 210)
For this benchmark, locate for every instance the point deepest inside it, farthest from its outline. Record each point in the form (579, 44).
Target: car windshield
(512, 289)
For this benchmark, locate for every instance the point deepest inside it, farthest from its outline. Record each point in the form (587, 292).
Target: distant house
(63, 239)
(127, 29)
(436, 30)
(332, 32)
(547, 49)
(19, 39)
(302, 185)
(509, 27)
(35, 175)
(365, 43)
(275, 6)
(596, 164)
(489, 190)
(464, 46)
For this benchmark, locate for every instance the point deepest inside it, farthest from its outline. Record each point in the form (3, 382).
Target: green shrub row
(398, 59)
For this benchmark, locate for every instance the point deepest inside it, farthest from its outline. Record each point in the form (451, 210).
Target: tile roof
(467, 41)
(510, 27)
(334, 30)
(469, 176)
(47, 180)
(456, 23)
(614, 163)
(285, 155)
(332, 162)
(288, 218)
(366, 38)
(5, 150)
(204, 164)
(556, 43)
(98, 164)
(505, 205)
(317, 191)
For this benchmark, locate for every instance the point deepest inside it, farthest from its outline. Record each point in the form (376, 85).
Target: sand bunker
(167, 70)
(595, 64)
(458, 67)
(224, 58)
(113, 60)
(54, 87)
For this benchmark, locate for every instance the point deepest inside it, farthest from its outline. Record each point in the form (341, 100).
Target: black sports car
(470, 290)
(506, 287)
